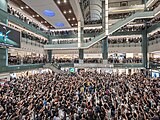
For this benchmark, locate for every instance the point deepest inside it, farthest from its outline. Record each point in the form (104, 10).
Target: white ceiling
(40, 5)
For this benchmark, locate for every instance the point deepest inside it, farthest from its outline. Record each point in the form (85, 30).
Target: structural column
(80, 41)
(49, 52)
(105, 29)
(105, 50)
(145, 48)
(3, 51)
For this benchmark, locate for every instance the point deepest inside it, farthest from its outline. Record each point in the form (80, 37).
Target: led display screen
(9, 37)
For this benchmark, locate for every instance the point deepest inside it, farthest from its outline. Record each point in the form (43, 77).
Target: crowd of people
(90, 22)
(114, 60)
(65, 60)
(69, 41)
(74, 32)
(119, 16)
(154, 36)
(131, 28)
(92, 60)
(17, 60)
(98, 60)
(154, 60)
(125, 60)
(84, 4)
(124, 40)
(80, 96)
(110, 40)
(22, 17)
(34, 38)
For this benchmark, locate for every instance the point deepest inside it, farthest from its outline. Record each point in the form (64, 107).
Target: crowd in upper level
(131, 28)
(74, 32)
(154, 60)
(99, 60)
(33, 38)
(22, 17)
(125, 40)
(90, 22)
(119, 16)
(154, 36)
(17, 60)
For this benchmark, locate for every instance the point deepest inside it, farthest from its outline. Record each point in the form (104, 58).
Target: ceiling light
(73, 18)
(27, 7)
(65, 1)
(72, 24)
(70, 11)
(37, 15)
(45, 21)
(58, 2)
(59, 24)
(41, 21)
(64, 12)
(33, 15)
(49, 13)
(69, 19)
(76, 24)
(22, 7)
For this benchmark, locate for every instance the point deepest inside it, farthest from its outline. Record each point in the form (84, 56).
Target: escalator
(114, 28)
(53, 67)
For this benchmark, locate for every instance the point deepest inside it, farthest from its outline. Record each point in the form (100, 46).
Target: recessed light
(41, 21)
(65, 1)
(64, 12)
(73, 18)
(58, 2)
(22, 7)
(49, 13)
(59, 24)
(69, 19)
(76, 24)
(70, 11)
(72, 24)
(37, 15)
(45, 21)
(27, 7)
(33, 15)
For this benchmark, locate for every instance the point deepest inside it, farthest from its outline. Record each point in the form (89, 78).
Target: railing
(15, 68)
(126, 45)
(154, 27)
(138, 15)
(72, 35)
(100, 65)
(154, 41)
(32, 42)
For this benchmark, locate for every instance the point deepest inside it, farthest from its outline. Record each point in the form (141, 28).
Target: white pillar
(106, 17)
(79, 34)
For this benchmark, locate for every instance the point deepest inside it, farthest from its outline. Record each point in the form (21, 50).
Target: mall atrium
(79, 59)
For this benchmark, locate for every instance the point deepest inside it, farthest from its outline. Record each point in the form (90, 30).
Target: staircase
(53, 68)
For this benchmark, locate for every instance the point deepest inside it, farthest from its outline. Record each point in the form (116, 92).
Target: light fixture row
(59, 1)
(69, 19)
(65, 12)
(23, 7)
